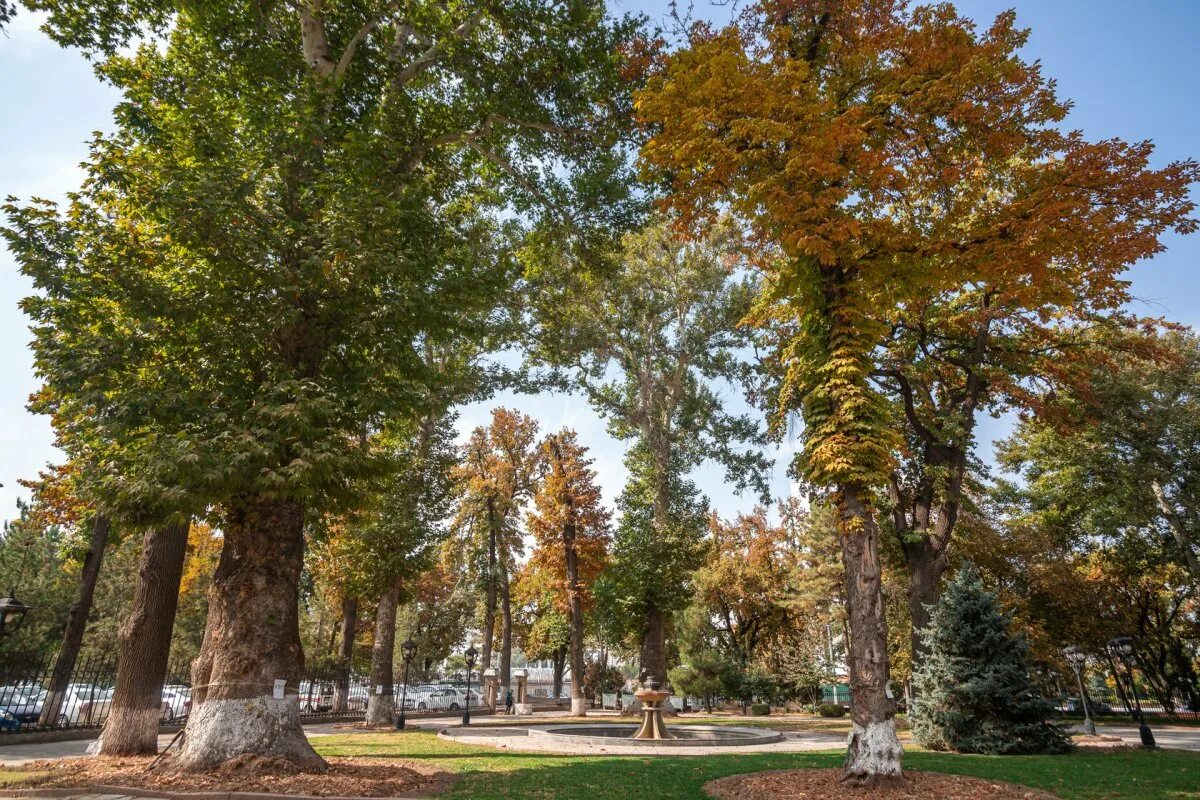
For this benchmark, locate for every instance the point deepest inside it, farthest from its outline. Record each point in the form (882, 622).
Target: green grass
(489, 773)
(13, 777)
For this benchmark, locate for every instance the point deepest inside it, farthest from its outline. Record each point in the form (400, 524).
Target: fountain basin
(685, 735)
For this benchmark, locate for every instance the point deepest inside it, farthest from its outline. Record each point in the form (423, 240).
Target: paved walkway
(1174, 737)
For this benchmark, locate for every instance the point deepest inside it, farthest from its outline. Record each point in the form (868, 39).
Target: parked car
(176, 702)
(23, 702)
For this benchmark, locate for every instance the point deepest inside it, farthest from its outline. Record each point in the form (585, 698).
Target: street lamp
(470, 654)
(408, 649)
(1122, 646)
(1077, 658)
(12, 613)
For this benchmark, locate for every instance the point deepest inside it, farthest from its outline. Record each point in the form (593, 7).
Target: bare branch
(435, 51)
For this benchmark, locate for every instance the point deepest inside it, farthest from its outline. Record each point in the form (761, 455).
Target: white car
(176, 702)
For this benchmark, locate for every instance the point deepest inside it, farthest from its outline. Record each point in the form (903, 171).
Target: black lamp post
(1122, 646)
(408, 649)
(1077, 658)
(12, 613)
(470, 654)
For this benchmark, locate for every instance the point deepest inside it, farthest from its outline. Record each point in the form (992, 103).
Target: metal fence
(1111, 702)
(24, 695)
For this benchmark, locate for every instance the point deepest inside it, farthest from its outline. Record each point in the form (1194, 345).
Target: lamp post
(1122, 646)
(408, 648)
(470, 654)
(1077, 658)
(12, 613)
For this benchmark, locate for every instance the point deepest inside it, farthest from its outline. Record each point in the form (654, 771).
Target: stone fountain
(652, 714)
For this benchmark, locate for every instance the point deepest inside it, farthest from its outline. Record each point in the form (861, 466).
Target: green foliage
(974, 693)
(831, 711)
(760, 709)
(599, 680)
(290, 202)
(706, 675)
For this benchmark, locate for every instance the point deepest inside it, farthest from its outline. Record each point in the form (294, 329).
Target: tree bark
(1182, 537)
(144, 645)
(925, 568)
(874, 754)
(341, 692)
(245, 679)
(381, 707)
(559, 657)
(505, 672)
(77, 617)
(489, 606)
(578, 701)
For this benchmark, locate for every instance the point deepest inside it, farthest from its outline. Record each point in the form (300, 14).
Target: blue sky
(1129, 67)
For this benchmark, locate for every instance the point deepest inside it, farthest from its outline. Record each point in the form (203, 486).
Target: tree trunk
(874, 754)
(489, 606)
(505, 675)
(1182, 537)
(925, 568)
(341, 692)
(381, 707)
(77, 617)
(144, 645)
(248, 671)
(578, 701)
(653, 659)
(559, 657)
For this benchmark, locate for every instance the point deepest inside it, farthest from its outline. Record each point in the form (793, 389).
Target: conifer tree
(973, 688)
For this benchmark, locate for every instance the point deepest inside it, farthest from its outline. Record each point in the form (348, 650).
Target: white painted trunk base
(218, 730)
(381, 709)
(873, 752)
(579, 707)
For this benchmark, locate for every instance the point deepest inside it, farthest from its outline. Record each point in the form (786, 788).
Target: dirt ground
(818, 784)
(346, 777)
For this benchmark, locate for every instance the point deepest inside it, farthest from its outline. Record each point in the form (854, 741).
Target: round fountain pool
(685, 735)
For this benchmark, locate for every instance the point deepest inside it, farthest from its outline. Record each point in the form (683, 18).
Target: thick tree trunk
(925, 568)
(652, 659)
(72, 638)
(144, 645)
(341, 692)
(505, 672)
(874, 753)
(381, 707)
(245, 679)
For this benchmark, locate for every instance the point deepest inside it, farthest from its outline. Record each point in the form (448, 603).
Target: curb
(162, 794)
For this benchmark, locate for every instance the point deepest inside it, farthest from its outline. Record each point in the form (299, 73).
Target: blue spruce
(973, 692)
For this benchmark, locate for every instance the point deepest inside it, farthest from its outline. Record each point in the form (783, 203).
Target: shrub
(830, 710)
(760, 710)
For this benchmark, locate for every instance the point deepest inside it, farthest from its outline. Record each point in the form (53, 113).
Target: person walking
(508, 702)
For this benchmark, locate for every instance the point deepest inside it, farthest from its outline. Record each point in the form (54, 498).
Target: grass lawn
(13, 777)
(489, 773)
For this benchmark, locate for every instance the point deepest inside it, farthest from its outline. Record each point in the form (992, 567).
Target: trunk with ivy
(244, 681)
(381, 705)
(505, 671)
(873, 755)
(144, 645)
(72, 636)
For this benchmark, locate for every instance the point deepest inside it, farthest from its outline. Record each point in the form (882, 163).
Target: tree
(144, 645)
(650, 339)
(294, 195)
(741, 588)
(437, 616)
(706, 675)
(854, 142)
(570, 527)
(974, 694)
(496, 477)
(655, 554)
